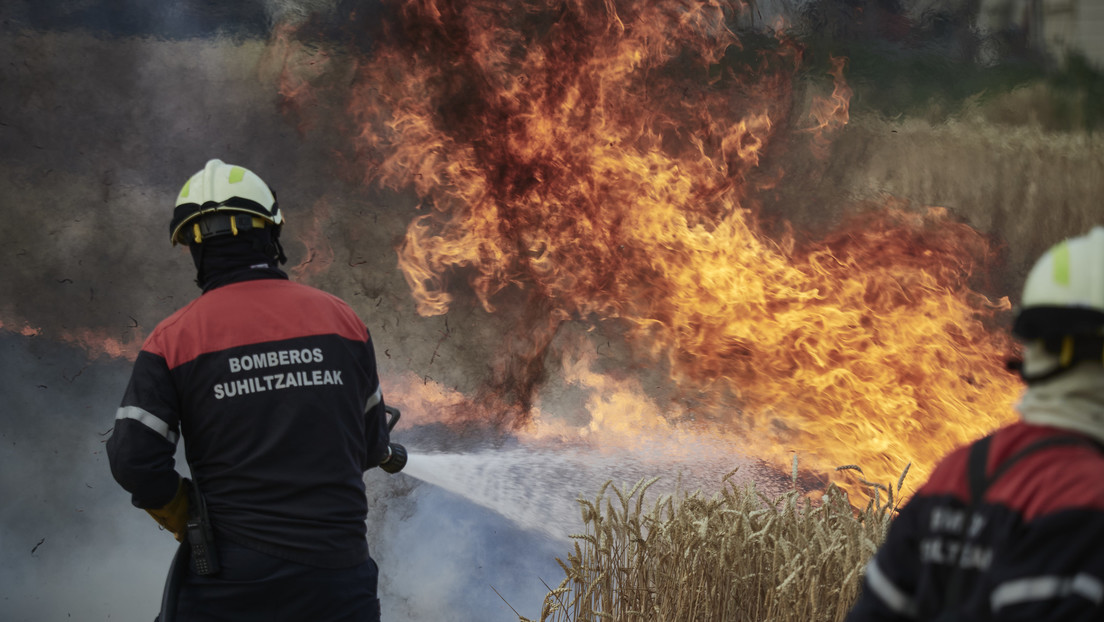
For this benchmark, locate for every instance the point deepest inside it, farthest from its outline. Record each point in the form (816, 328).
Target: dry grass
(735, 556)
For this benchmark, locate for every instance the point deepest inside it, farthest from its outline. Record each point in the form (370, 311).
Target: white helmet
(1062, 311)
(237, 195)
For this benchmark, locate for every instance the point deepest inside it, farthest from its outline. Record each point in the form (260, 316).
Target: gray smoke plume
(74, 546)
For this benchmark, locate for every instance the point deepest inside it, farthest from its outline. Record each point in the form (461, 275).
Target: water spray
(538, 487)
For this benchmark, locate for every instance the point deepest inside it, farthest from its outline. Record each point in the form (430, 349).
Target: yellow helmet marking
(1066, 357)
(237, 174)
(234, 225)
(1062, 264)
(187, 186)
(195, 231)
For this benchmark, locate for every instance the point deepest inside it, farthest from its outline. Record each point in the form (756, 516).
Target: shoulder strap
(976, 476)
(975, 469)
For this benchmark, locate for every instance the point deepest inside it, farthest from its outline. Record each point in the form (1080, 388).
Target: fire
(605, 159)
(27, 330)
(832, 113)
(319, 253)
(600, 165)
(95, 343)
(301, 63)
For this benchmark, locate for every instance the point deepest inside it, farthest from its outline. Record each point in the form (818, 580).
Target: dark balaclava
(225, 259)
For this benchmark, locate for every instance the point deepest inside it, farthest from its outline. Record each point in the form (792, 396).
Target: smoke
(72, 544)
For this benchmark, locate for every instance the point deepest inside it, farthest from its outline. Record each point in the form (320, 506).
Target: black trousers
(253, 586)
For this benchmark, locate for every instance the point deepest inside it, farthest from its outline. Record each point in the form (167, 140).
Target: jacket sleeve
(142, 446)
(376, 435)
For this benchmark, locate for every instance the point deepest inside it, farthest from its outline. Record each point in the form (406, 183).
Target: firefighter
(1011, 527)
(274, 389)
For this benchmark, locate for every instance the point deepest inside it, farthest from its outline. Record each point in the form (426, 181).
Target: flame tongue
(606, 158)
(569, 162)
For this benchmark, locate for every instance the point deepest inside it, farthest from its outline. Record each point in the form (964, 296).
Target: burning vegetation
(614, 166)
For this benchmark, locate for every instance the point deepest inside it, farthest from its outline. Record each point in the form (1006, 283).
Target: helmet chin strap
(1045, 359)
(274, 249)
(1057, 370)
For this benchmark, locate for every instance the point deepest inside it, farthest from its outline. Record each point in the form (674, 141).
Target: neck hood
(1073, 400)
(229, 259)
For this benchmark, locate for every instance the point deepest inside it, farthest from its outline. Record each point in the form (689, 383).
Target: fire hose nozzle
(396, 458)
(396, 453)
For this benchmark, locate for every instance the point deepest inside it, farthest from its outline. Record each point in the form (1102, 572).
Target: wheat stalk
(736, 556)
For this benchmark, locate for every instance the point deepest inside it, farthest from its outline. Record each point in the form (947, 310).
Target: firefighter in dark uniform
(1011, 527)
(274, 389)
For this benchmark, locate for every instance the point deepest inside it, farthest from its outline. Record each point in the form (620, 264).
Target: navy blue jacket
(1034, 544)
(273, 386)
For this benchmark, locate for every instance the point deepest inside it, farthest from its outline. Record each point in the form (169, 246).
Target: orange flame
(27, 330)
(833, 113)
(607, 160)
(319, 254)
(95, 343)
(296, 66)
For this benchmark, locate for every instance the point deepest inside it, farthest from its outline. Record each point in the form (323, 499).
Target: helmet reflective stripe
(222, 187)
(1062, 264)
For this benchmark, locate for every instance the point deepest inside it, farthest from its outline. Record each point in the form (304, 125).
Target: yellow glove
(174, 515)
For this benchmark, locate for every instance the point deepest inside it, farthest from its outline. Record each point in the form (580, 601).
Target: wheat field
(735, 556)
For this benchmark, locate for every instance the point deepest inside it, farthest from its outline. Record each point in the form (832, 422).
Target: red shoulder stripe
(1046, 481)
(252, 312)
